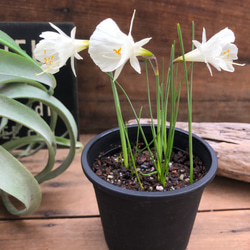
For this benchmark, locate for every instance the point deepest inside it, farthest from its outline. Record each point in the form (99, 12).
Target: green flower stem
(158, 137)
(147, 145)
(189, 100)
(120, 121)
(158, 142)
(133, 158)
(149, 98)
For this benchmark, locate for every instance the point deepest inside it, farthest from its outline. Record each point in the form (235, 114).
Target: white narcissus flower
(219, 51)
(56, 48)
(110, 48)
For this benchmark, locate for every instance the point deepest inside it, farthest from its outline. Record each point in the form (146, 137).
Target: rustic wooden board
(221, 230)
(212, 230)
(71, 194)
(64, 233)
(69, 219)
(223, 97)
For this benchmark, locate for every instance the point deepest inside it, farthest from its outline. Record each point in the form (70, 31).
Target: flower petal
(135, 64)
(72, 63)
(217, 51)
(110, 48)
(73, 33)
(204, 37)
(57, 29)
(142, 42)
(56, 48)
(106, 39)
(118, 71)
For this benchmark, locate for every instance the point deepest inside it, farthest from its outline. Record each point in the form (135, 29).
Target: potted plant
(122, 162)
(22, 84)
(147, 220)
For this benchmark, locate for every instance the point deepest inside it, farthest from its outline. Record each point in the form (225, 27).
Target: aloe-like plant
(23, 83)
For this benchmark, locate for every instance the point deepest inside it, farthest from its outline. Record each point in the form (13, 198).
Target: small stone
(181, 177)
(110, 176)
(159, 188)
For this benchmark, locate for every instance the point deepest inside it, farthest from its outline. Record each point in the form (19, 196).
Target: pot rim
(119, 191)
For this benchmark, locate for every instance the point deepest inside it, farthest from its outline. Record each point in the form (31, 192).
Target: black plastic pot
(147, 220)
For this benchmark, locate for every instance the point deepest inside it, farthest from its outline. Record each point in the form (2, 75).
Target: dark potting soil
(110, 169)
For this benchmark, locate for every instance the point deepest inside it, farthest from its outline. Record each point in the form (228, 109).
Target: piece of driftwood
(231, 142)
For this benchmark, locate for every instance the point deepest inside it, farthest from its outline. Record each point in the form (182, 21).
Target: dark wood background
(225, 97)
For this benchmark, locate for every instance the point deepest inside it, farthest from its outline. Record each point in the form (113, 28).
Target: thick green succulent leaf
(18, 112)
(5, 79)
(16, 68)
(17, 90)
(8, 41)
(17, 181)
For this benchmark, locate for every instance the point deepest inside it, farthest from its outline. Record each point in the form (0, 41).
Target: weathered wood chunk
(231, 142)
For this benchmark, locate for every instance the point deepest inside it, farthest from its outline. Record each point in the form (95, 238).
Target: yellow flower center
(227, 53)
(48, 60)
(118, 51)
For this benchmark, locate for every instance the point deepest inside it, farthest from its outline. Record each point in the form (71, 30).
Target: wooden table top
(68, 217)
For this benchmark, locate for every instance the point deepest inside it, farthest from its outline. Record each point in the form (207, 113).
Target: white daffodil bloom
(218, 51)
(56, 48)
(110, 48)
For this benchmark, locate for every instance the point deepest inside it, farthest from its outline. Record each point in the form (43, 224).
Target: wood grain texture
(68, 217)
(212, 230)
(221, 98)
(217, 230)
(71, 194)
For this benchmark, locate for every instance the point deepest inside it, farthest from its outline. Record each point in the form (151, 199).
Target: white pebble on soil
(159, 188)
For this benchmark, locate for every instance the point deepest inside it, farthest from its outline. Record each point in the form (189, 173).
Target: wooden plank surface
(68, 217)
(72, 194)
(212, 230)
(221, 230)
(221, 98)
